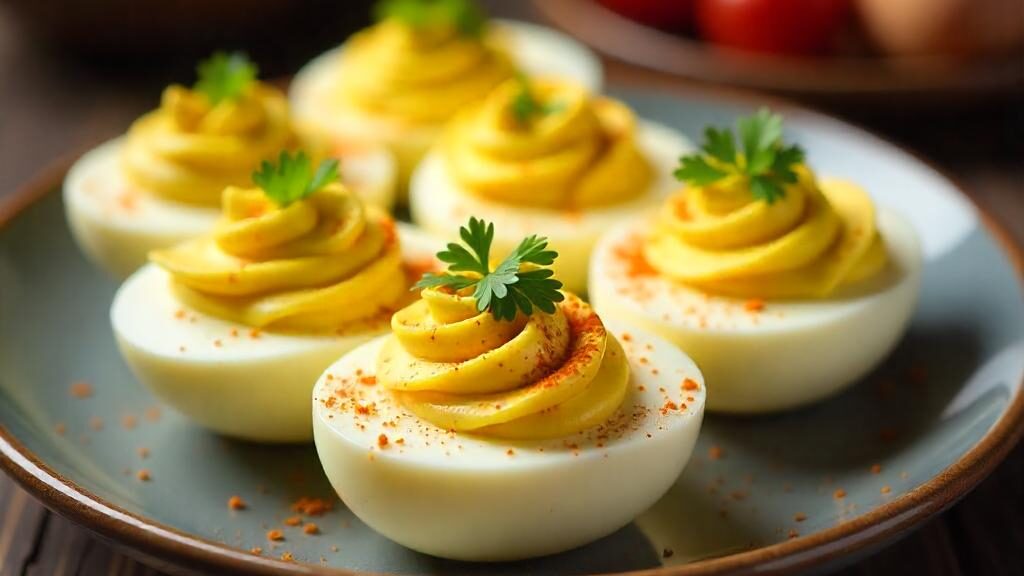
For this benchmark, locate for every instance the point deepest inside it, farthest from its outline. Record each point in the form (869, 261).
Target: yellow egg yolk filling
(418, 75)
(539, 376)
(188, 150)
(321, 263)
(814, 239)
(579, 152)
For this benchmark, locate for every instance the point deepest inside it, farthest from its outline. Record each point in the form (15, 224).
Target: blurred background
(942, 77)
(945, 77)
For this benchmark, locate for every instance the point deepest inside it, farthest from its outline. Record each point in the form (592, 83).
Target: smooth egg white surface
(473, 498)
(117, 224)
(538, 50)
(789, 353)
(440, 206)
(227, 377)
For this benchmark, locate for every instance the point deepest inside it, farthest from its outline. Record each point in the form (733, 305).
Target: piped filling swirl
(811, 241)
(573, 150)
(538, 376)
(189, 150)
(321, 263)
(418, 75)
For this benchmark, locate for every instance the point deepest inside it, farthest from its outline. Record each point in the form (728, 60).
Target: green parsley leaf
(510, 287)
(225, 76)
(525, 106)
(766, 163)
(465, 16)
(293, 179)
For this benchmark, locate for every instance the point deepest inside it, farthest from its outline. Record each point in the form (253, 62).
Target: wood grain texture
(51, 103)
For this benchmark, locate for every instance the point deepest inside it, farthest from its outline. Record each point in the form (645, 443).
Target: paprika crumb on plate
(275, 535)
(311, 529)
(81, 389)
(236, 503)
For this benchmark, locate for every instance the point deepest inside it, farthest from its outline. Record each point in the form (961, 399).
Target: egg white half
(440, 206)
(788, 354)
(469, 497)
(227, 377)
(116, 223)
(538, 50)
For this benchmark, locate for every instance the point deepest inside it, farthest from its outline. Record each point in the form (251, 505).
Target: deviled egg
(161, 183)
(784, 288)
(546, 156)
(399, 81)
(498, 423)
(233, 328)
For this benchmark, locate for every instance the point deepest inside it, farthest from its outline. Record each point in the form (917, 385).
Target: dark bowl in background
(278, 33)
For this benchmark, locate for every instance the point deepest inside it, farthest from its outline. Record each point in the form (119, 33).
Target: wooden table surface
(52, 103)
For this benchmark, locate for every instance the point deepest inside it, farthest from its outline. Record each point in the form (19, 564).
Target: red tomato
(781, 26)
(667, 14)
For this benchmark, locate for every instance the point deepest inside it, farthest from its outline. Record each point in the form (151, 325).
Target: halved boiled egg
(762, 355)
(227, 376)
(523, 194)
(453, 477)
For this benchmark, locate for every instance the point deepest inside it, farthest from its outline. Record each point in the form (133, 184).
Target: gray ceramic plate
(772, 493)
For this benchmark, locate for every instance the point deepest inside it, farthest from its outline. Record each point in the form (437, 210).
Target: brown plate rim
(172, 548)
(630, 41)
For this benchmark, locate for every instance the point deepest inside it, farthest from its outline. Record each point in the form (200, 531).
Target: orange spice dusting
(631, 255)
(275, 535)
(669, 407)
(690, 384)
(382, 440)
(143, 475)
(793, 533)
(311, 529)
(800, 517)
(312, 506)
(400, 441)
(715, 452)
(886, 489)
(152, 413)
(627, 337)
(217, 343)
(129, 421)
(179, 314)
(510, 452)
(255, 333)
(368, 380)
(293, 521)
(839, 494)
(287, 556)
(256, 550)
(876, 468)
(754, 305)
(81, 389)
(236, 503)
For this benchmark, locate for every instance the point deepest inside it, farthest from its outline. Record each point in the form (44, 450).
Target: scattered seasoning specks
(81, 389)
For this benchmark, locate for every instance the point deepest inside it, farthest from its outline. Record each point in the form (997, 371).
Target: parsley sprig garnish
(525, 106)
(510, 287)
(465, 16)
(293, 178)
(765, 162)
(225, 76)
